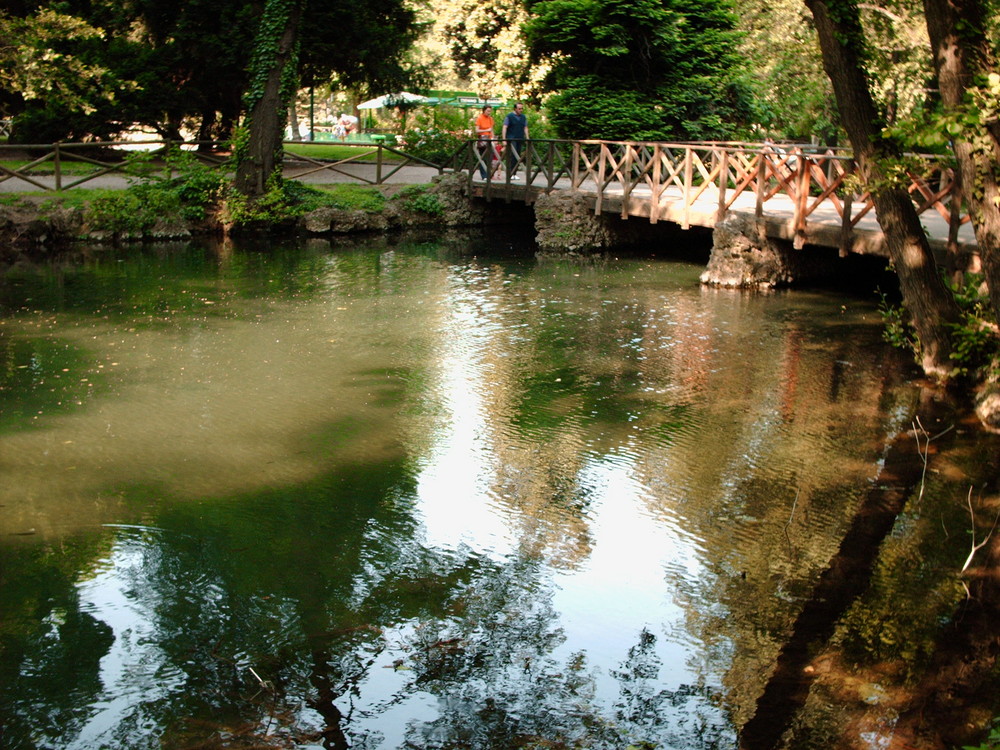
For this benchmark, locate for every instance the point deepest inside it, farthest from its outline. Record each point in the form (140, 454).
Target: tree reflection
(50, 650)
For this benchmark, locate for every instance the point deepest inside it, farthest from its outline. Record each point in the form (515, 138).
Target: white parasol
(393, 100)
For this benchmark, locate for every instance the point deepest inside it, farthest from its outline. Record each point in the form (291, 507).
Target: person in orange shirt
(484, 136)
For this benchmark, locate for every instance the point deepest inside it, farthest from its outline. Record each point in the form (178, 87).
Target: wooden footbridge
(803, 194)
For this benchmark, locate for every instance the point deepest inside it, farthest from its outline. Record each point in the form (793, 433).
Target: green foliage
(592, 108)
(43, 58)
(83, 69)
(641, 70)
(352, 197)
(992, 741)
(178, 186)
(282, 201)
(792, 95)
(268, 52)
(363, 45)
(897, 329)
(417, 198)
(132, 211)
(434, 145)
(975, 340)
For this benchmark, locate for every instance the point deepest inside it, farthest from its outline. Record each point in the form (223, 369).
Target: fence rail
(107, 157)
(644, 176)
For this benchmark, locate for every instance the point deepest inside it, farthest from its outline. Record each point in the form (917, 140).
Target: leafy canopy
(640, 69)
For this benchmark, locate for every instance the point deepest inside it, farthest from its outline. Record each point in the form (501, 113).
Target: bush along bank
(199, 202)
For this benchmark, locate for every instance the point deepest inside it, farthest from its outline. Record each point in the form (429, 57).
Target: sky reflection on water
(382, 496)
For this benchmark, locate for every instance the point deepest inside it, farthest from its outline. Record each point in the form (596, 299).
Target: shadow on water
(941, 704)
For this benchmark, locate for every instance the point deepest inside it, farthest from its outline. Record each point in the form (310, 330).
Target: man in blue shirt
(515, 133)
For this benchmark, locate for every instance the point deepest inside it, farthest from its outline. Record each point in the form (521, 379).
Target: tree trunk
(932, 307)
(961, 49)
(206, 130)
(274, 64)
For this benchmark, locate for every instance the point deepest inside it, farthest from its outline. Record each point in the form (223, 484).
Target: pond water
(424, 494)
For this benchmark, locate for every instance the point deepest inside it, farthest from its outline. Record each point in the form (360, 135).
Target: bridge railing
(649, 177)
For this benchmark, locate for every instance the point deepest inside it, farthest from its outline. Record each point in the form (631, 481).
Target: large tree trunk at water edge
(931, 305)
(961, 49)
(272, 74)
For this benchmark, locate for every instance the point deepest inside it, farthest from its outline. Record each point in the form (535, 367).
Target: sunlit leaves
(38, 59)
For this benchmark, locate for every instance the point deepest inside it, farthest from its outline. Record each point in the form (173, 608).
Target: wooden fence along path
(374, 163)
(800, 193)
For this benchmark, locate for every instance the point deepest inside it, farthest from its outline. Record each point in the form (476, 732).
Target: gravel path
(355, 172)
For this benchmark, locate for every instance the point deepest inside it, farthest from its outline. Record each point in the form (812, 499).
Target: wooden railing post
(656, 188)
(846, 228)
(378, 164)
(723, 185)
(529, 160)
(575, 167)
(801, 200)
(629, 179)
(58, 167)
(550, 166)
(688, 176)
(601, 165)
(763, 157)
(468, 157)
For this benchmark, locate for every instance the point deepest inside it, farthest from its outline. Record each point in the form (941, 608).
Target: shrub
(178, 186)
(352, 197)
(433, 145)
(416, 198)
(975, 340)
(132, 211)
(283, 201)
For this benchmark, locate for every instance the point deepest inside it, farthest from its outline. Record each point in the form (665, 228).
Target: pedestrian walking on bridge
(514, 134)
(484, 138)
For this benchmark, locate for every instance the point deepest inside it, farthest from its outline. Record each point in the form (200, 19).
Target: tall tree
(488, 50)
(932, 307)
(163, 66)
(969, 84)
(273, 79)
(640, 69)
(336, 43)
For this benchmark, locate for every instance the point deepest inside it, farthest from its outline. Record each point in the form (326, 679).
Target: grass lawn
(66, 167)
(46, 199)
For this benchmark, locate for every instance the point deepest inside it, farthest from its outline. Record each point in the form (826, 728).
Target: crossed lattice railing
(647, 177)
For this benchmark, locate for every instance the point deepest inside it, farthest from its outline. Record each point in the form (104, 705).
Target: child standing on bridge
(484, 136)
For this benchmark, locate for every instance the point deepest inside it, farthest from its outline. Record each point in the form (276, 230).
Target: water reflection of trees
(324, 590)
(270, 613)
(50, 650)
(764, 460)
(782, 456)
